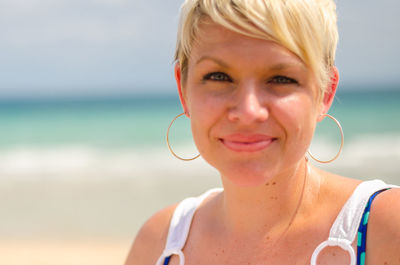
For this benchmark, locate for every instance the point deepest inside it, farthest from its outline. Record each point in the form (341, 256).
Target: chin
(247, 178)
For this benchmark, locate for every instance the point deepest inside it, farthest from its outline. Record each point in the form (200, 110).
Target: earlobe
(330, 92)
(178, 79)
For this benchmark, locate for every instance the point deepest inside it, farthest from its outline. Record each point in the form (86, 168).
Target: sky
(103, 47)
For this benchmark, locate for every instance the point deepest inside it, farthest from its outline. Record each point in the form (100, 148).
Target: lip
(247, 142)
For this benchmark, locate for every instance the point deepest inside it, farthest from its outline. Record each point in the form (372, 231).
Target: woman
(255, 78)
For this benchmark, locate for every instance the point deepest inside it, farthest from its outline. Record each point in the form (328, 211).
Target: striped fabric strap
(362, 231)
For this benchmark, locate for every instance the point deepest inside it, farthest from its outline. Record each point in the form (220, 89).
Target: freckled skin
(249, 223)
(249, 100)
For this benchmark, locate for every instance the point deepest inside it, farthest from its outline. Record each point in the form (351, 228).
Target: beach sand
(93, 221)
(48, 252)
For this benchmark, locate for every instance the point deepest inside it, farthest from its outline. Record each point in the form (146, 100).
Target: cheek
(205, 112)
(198, 98)
(297, 117)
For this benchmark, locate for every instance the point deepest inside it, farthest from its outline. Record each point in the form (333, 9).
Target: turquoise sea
(97, 168)
(90, 136)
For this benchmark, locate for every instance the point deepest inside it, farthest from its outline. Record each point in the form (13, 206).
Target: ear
(329, 95)
(178, 79)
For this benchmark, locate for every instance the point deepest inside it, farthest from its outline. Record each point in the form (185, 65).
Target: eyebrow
(283, 66)
(276, 67)
(204, 58)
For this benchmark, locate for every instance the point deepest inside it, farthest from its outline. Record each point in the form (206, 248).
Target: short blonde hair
(308, 28)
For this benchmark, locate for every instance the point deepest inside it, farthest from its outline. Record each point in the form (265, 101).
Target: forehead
(215, 40)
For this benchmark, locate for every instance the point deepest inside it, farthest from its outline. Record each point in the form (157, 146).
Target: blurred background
(86, 96)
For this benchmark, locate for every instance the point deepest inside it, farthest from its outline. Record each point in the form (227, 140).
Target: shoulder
(383, 241)
(336, 190)
(150, 240)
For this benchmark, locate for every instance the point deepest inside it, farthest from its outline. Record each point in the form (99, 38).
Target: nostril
(248, 114)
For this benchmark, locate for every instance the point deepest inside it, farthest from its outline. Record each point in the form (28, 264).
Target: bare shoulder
(338, 189)
(150, 240)
(383, 241)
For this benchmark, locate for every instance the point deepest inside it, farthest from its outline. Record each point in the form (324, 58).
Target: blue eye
(279, 79)
(217, 76)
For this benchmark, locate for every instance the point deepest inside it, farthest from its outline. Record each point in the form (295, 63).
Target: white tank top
(343, 231)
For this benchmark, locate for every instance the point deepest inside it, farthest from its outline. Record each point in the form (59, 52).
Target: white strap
(344, 229)
(167, 253)
(342, 233)
(180, 226)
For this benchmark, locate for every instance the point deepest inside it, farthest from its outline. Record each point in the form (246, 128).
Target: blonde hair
(308, 28)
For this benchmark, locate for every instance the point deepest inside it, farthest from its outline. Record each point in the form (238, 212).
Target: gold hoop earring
(341, 143)
(169, 146)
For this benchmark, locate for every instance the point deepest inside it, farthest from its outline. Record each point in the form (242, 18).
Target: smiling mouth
(247, 144)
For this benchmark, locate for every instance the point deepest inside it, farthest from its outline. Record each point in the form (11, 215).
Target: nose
(248, 106)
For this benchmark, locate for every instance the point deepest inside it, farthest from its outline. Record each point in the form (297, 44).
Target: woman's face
(252, 103)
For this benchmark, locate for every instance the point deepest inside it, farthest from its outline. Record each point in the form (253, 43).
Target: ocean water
(103, 138)
(96, 169)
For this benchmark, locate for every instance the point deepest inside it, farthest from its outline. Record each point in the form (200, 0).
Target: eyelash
(222, 77)
(212, 77)
(283, 80)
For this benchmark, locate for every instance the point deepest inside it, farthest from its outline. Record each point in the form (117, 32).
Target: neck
(265, 211)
